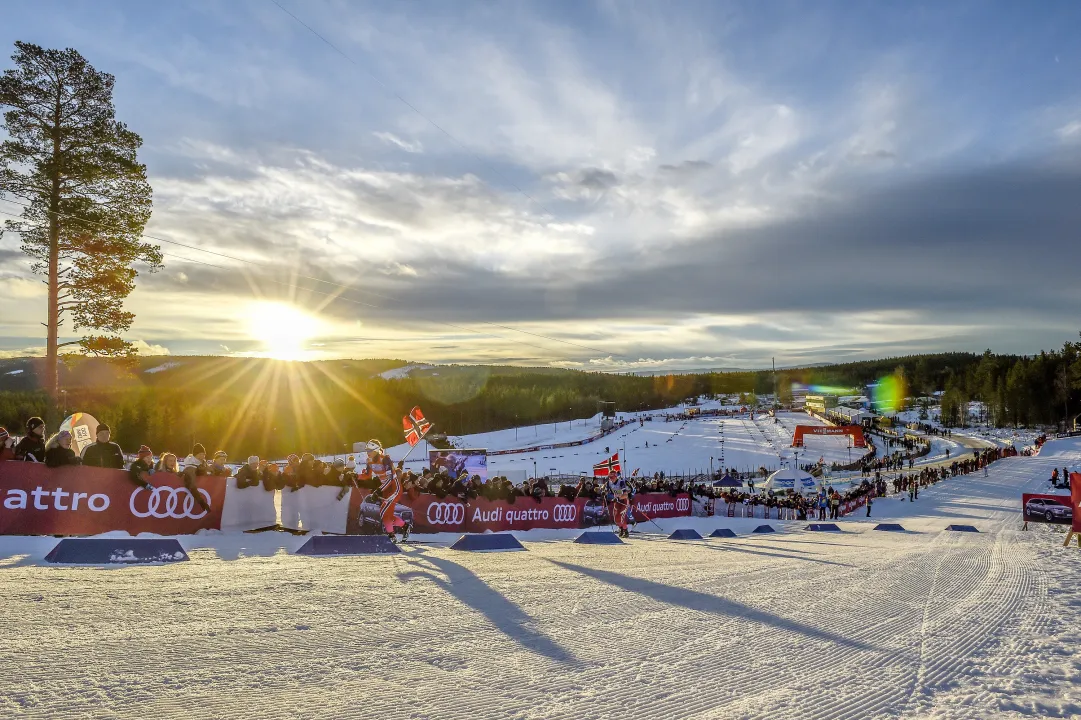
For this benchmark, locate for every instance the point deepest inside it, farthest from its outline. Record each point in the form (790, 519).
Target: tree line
(270, 408)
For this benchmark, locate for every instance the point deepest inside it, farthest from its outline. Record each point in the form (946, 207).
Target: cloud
(142, 347)
(738, 198)
(1070, 130)
(687, 167)
(394, 140)
(589, 183)
(845, 277)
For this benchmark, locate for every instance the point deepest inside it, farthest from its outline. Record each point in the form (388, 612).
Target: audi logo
(444, 513)
(565, 513)
(683, 504)
(178, 503)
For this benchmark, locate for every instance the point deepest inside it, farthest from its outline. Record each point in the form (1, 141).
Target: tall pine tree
(74, 168)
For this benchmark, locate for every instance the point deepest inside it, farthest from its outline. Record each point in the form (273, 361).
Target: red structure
(854, 430)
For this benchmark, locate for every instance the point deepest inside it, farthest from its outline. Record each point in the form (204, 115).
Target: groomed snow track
(862, 624)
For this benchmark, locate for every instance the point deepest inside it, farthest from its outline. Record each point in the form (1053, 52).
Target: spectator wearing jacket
(217, 466)
(272, 478)
(195, 467)
(291, 473)
(249, 474)
(334, 473)
(58, 452)
(7, 445)
(103, 453)
(308, 473)
(140, 471)
(32, 447)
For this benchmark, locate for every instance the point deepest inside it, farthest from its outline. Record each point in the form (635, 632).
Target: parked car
(1049, 510)
(594, 513)
(371, 521)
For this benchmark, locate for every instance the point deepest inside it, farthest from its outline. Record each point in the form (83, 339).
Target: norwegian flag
(416, 426)
(607, 467)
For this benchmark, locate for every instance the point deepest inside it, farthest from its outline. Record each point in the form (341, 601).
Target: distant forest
(273, 408)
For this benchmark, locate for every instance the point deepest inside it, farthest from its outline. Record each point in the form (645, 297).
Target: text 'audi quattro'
(16, 499)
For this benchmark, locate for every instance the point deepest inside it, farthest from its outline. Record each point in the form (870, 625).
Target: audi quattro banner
(661, 505)
(36, 500)
(524, 514)
(1075, 500)
(430, 514)
(1056, 509)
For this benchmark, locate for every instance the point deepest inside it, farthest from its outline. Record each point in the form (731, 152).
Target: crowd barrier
(763, 512)
(36, 500)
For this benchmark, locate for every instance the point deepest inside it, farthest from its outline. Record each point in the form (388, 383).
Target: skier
(617, 494)
(381, 467)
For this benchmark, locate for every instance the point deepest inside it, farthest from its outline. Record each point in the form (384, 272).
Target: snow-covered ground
(1002, 437)
(860, 624)
(403, 372)
(163, 367)
(676, 447)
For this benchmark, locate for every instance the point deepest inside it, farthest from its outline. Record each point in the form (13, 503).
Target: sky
(607, 185)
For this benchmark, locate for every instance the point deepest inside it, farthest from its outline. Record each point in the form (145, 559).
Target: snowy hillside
(679, 446)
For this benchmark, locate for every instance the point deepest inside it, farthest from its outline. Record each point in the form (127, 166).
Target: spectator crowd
(306, 470)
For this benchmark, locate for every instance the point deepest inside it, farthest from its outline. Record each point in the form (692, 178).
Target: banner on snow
(1075, 501)
(36, 500)
(431, 514)
(1036, 507)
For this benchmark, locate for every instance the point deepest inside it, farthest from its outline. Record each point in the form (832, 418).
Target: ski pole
(647, 517)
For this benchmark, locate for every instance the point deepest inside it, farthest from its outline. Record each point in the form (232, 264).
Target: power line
(325, 282)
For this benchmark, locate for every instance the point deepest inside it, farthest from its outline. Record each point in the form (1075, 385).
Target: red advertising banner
(430, 514)
(1075, 495)
(661, 505)
(36, 500)
(1036, 507)
(855, 431)
(524, 513)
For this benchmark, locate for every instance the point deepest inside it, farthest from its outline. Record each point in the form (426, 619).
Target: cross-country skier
(381, 467)
(618, 494)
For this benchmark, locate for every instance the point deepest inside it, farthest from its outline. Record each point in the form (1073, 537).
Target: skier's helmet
(374, 446)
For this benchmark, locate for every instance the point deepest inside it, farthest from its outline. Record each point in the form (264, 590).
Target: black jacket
(137, 469)
(106, 455)
(31, 448)
(246, 477)
(60, 456)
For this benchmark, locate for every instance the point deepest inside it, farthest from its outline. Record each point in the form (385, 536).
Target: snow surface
(13, 372)
(857, 624)
(403, 372)
(676, 447)
(162, 367)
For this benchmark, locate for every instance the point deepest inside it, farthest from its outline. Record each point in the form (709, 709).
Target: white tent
(792, 480)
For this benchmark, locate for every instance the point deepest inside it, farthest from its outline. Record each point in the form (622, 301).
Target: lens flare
(888, 395)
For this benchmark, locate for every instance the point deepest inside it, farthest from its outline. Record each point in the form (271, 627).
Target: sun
(282, 330)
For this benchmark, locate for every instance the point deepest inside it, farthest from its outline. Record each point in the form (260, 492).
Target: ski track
(816, 626)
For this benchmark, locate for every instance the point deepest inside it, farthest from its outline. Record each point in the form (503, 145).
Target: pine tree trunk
(52, 374)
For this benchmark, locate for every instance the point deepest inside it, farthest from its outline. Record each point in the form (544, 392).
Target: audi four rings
(173, 508)
(564, 513)
(444, 513)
